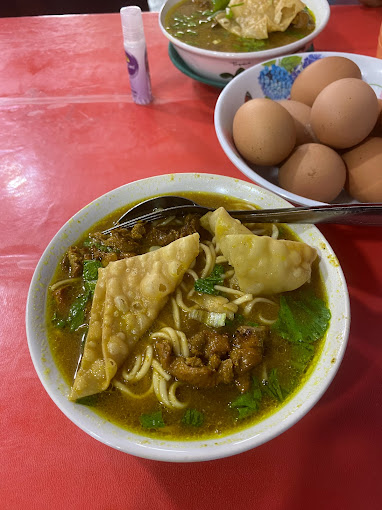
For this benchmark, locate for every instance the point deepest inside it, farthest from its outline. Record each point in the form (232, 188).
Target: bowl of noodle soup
(181, 356)
(203, 49)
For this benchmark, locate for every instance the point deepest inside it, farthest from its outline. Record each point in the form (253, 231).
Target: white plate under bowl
(184, 451)
(264, 80)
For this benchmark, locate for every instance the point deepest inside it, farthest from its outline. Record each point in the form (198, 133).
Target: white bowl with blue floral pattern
(219, 67)
(273, 79)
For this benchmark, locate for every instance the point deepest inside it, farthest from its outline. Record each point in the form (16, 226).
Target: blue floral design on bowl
(277, 76)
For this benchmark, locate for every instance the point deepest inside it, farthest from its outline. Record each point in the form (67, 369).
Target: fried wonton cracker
(128, 297)
(262, 265)
(257, 18)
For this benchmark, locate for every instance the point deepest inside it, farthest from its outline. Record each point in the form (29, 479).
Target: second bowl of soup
(216, 39)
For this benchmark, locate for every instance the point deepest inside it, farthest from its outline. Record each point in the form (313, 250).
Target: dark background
(11, 8)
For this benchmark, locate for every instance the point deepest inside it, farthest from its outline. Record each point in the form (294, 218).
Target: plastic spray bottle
(136, 54)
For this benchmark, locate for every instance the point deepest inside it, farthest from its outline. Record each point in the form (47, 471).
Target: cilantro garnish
(301, 355)
(206, 285)
(272, 386)
(90, 400)
(302, 320)
(193, 418)
(248, 403)
(152, 421)
(90, 272)
(76, 316)
(91, 243)
(58, 321)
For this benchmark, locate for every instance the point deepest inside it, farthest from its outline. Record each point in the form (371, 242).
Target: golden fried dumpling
(128, 297)
(262, 265)
(257, 18)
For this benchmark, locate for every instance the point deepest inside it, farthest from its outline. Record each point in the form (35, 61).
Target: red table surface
(69, 133)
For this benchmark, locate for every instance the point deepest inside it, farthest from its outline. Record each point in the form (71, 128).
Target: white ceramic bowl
(177, 451)
(221, 67)
(264, 80)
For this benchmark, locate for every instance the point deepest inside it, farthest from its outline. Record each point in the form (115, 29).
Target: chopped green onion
(212, 319)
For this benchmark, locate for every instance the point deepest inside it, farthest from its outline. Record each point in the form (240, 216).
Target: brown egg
(263, 132)
(301, 116)
(344, 113)
(364, 166)
(313, 171)
(318, 75)
(377, 130)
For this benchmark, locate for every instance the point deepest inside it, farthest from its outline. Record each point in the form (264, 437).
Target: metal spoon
(152, 205)
(349, 214)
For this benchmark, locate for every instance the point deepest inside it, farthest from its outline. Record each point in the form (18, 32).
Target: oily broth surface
(220, 418)
(192, 25)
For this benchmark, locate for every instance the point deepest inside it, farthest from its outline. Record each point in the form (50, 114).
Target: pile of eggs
(326, 137)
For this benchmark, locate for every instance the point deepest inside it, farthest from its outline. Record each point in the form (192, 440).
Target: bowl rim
(111, 435)
(239, 163)
(265, 54)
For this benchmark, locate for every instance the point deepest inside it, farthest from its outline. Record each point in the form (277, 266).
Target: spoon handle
(350, 214)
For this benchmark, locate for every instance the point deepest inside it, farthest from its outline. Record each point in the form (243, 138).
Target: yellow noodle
(173, 337)
(183, 344)
(122, 387)
(168, 334)
(163, 391)
(175, 313)
(177, 404)
(228, 274)
(149, 354)
(129, 376)
(177, 338)
(275, 232)
(160, 388)
(256, 300)
(209, 260)
(180, 302)
(268, 322)
(228, 290)
(62, 283)
(158, 368)
(192, 273)
(211, 246)
(243, 299)
(156, 379)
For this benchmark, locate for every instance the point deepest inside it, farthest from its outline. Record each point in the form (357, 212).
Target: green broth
(194, 26)
(220, 418)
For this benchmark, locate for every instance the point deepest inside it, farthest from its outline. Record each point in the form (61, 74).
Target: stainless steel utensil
(165, 206)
